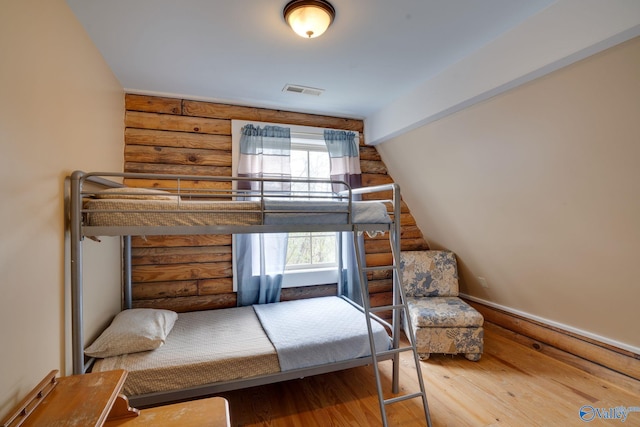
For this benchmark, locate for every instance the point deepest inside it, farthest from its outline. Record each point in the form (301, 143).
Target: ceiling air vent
(303, 90)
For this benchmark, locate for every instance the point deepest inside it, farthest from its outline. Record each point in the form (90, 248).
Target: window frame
(292, 277)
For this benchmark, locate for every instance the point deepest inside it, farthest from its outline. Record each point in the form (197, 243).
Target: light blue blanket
(317, 331)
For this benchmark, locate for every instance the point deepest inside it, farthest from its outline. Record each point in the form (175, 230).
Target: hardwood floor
(516, 383)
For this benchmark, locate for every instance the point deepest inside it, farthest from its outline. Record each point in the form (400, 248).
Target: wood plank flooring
(514, 384)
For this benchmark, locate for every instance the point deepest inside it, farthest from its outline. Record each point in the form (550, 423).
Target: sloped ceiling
(396, 64)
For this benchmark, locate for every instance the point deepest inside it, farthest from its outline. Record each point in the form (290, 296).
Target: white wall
(61, 109)
(538, 191)
(564, 32)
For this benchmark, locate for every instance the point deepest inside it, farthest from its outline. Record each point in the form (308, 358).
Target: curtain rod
(319, 133)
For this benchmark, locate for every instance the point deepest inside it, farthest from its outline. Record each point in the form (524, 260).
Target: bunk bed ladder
(398, 309)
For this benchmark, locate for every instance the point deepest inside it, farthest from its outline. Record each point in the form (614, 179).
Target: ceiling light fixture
(309, 18)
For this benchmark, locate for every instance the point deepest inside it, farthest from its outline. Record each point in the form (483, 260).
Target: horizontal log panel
(381, 195)
(407, 220)
(410, 232)
(215, 286)
(186, 304)
(289, 294)
(369, 180)
(177, 169)
(378, 260)
(153, 104)
(141, 120)
(414, 245)
(236, 112)
(176, 156)
(373, 166)
(173, 289)
(403, 206)
(380, 281)
(381, 246)
(380, 285)
(180, 255)
(180, 250)
(164, 138)
(369, 153)
(381, 298)
(195, 240)
(184, 184)
(157, 290)
(379, 274)
(377, 246)
(172, 272)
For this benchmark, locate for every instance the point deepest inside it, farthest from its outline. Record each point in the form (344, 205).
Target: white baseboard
(554, 324)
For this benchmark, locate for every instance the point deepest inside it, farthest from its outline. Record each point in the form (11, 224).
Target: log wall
(179, 136)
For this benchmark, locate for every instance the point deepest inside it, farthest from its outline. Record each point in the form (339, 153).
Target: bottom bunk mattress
(203, 347)
(213, 346)
(317, 331)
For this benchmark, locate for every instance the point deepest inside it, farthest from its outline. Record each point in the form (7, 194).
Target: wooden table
(213, 411)
(95, 399)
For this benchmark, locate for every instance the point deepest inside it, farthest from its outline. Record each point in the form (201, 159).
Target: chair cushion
(442, 312)
(450, 340)
(429, 273)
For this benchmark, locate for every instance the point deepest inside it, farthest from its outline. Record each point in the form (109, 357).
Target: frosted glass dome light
(309, 18)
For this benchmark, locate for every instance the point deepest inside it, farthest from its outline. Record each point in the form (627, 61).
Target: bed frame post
(126, 272)
(394, 237)
(76, 273)
(340, 290)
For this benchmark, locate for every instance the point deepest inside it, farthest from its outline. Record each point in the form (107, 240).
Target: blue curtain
(344, 153)
(261, 258)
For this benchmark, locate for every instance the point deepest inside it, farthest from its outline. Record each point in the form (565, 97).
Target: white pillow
(134, 193)
(132, 331)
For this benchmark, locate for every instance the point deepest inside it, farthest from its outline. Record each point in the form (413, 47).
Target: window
(309, 159)
(311, 257)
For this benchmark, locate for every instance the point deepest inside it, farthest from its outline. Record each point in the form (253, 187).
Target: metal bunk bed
(259, 217)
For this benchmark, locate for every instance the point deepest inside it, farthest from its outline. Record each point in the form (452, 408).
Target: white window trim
(310, 277)
(292, 278)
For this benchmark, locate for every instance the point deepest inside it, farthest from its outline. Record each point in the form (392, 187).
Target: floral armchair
(442, 322)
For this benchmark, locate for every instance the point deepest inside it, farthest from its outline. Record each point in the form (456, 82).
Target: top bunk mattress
(177, 212)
